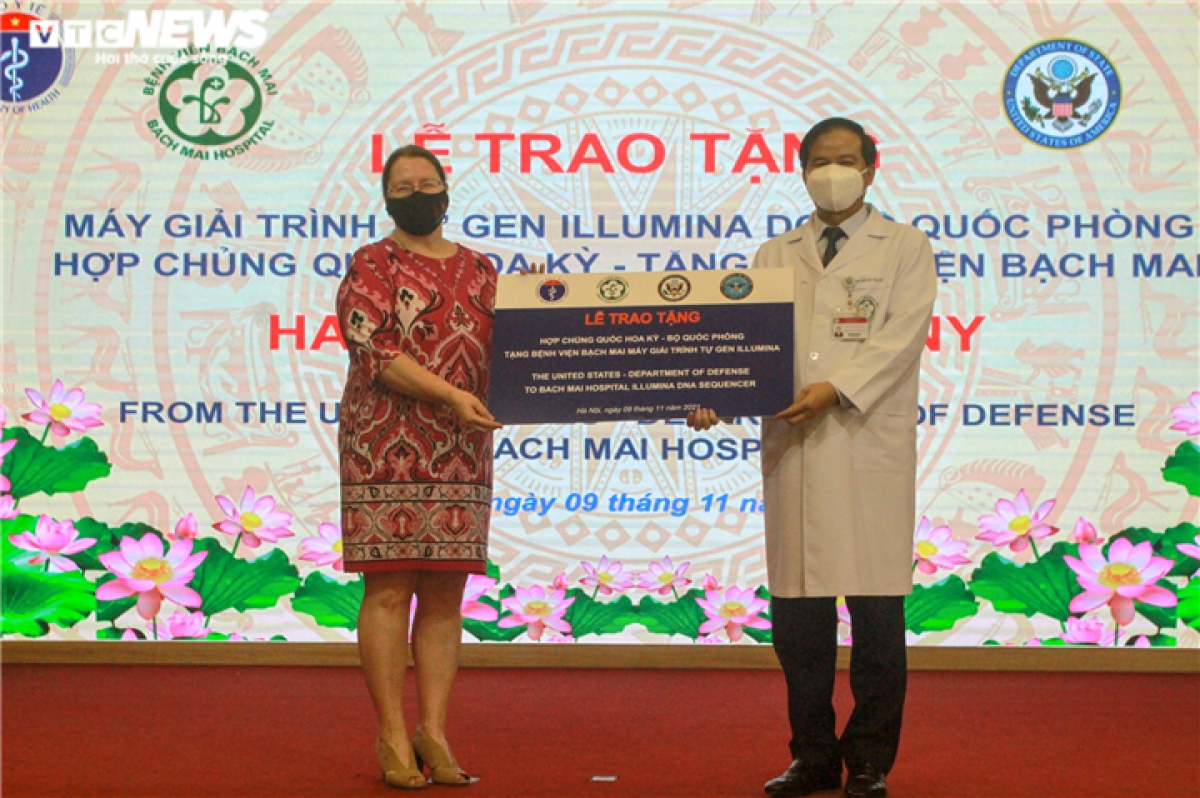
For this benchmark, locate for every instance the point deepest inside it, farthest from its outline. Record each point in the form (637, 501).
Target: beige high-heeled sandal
(442, 767)
(395, 772)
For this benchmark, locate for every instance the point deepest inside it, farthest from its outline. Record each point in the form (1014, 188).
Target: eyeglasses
(402, 190)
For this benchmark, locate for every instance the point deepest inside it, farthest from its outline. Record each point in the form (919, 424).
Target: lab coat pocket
(886, 442)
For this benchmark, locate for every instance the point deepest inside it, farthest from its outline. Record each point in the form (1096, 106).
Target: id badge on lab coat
(850, 325)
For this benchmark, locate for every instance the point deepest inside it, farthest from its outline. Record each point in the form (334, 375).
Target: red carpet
(84, 731)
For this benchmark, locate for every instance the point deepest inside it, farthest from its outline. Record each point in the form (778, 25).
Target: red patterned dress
(416, 486)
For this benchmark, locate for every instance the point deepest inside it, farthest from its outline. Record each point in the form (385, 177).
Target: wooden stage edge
(549, 655)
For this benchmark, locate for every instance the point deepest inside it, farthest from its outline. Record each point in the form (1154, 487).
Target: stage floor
(222, 731)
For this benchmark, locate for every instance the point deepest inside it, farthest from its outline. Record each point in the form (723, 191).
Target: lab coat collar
(873, 232)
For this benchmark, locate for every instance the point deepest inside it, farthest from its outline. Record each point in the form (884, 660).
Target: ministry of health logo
(1062, 94)
(30, 77)
(552, 290)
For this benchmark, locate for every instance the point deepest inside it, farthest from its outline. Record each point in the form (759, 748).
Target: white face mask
(834, 187)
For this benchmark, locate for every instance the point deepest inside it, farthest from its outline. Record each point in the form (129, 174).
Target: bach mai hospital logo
(210, 103)
(30, 76)
(1062, 94)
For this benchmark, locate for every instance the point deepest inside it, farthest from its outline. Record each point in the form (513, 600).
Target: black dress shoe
(802, 779)
(866, 782)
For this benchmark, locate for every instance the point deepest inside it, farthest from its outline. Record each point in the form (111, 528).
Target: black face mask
(418, 214)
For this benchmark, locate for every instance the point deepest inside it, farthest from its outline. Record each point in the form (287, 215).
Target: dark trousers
(805, 637)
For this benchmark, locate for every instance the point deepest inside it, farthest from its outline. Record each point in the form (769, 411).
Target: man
(839, 465)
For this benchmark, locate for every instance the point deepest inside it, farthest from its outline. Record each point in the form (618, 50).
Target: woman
(415, 440)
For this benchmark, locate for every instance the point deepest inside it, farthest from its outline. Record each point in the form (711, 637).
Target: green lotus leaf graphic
(33, 467)
(227, 582)
(331, 603)
(939, 607)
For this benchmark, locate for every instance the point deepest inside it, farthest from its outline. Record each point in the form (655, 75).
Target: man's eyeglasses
(402, 190)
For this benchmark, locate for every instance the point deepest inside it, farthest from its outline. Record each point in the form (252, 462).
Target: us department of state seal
(674, 288)
(1062, 94)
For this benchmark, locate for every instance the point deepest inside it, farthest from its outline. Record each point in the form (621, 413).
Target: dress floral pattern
(416, 486)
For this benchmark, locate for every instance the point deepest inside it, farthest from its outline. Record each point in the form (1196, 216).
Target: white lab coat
(840, 491)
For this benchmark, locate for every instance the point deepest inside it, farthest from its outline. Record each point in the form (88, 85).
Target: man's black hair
(837, 123)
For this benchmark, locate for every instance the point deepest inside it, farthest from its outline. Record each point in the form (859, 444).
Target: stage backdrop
(182, 192)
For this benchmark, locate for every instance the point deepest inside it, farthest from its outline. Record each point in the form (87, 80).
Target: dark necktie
(831, 237)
